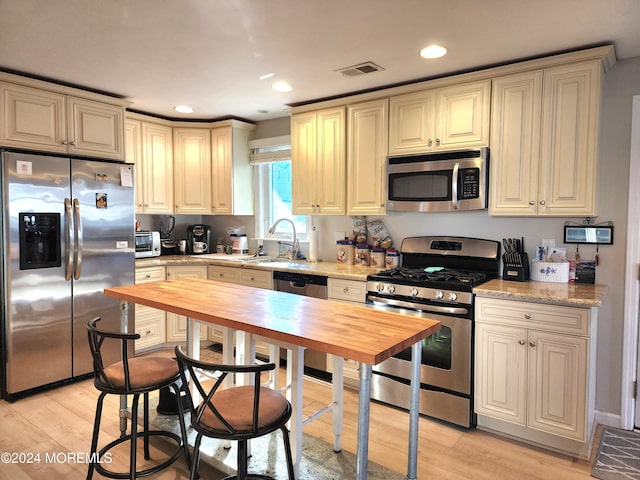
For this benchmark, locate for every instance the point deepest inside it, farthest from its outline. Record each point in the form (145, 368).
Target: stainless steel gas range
(435, 280)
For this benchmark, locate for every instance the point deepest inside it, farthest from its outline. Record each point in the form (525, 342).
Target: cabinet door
(177, 324)
(192, 170)
(412, 123)
(463, 115)
(500, 372)
(569, 139)
(515, 144)
(222, 170)
(157, 168)
(558, 384)
(33, 118)
(304, 160)
(97, 129)
(331, 168)
(133, 154)
(366, 155)
(150, 322)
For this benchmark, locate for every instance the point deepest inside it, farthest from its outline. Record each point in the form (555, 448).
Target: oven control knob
(380, 287)
(414, 292)
(453, 296)
(439, 294)
(392, 289)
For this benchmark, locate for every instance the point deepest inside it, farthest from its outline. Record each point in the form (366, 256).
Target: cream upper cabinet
(544, 141)
(318, 160)
(133, 154)
(367, 146)
(157, 169)
(192, 170)
(232, 175)
(34, 118)
(516, 115)
(446, 118)
(535, 372)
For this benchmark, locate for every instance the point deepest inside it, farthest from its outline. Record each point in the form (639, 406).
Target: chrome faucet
(296, 244)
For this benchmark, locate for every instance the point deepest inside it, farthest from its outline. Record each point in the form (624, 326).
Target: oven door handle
(385, 302)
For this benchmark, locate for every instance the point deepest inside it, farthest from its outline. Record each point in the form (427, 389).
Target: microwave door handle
(70, 243)
(454, 186)
(79, 239)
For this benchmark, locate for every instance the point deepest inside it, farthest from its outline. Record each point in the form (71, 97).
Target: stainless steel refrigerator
(67, 233)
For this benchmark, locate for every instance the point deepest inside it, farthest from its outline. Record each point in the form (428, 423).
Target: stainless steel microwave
(438, 182)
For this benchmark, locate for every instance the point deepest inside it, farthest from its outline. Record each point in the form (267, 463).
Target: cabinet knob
(437, 142)
(532, 343)
(148, 332)
(521, 342)
(253, 279)
(72, 143)
(345, 290)
(430, 142)
(542, 202)
(527, 316)
(64, 142)
(147, 276)
(531, 202)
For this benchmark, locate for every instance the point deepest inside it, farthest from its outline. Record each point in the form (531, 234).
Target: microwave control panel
(470, 180)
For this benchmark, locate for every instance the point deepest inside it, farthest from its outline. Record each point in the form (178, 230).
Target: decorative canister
(378, 257)
(392, 258)
(345, 252)
(363, 254)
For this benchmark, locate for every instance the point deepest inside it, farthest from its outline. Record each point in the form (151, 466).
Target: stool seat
(132, 376)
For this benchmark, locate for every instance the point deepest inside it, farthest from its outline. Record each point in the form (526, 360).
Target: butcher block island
(353, 331)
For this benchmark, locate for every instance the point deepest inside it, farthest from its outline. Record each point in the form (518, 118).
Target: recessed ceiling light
(282, 87)
(433, 51)
(183, 109)
(266, 75)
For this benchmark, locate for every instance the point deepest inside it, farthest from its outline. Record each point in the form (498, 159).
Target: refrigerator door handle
(78, 240)
(70, 243)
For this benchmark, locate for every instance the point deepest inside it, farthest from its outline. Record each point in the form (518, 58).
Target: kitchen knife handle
(78, 244)
(70, 239)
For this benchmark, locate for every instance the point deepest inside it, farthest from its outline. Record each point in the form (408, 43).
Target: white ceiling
(210, 53)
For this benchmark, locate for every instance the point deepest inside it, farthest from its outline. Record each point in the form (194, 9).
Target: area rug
(618, 456)
(319, 461)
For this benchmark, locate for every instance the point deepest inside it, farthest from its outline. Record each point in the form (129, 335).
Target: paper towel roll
(313, 245)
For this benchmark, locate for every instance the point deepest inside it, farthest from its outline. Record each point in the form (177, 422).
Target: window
(272, 165)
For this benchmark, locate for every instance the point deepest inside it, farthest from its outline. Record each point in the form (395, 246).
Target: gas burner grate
(419, 275)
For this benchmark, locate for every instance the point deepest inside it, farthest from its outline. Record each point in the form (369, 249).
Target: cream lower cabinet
(367, 140)
(544, 141)
(318, 162)
(150, 322)
(39, 119)
(177, 324)
(351, 291)
(535, 373)
(241, 276)
(446, 118)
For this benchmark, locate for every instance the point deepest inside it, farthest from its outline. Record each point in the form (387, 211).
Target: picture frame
(589, 234)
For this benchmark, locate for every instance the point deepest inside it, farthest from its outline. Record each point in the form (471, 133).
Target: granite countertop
(570, 294)
(329, 269)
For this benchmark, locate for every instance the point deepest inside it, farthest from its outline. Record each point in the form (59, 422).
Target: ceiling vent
(360, 69)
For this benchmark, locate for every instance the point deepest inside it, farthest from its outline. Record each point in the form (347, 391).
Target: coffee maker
(198, 239)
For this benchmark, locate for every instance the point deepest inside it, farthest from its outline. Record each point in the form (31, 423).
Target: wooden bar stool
(132, 376)
(236, 413)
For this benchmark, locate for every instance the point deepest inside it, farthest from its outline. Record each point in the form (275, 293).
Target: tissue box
(557, 272)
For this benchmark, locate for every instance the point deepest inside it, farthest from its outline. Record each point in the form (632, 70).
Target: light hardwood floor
(57, 425)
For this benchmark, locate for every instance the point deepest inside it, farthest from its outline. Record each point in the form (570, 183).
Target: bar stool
(236, 413)
(132, 376)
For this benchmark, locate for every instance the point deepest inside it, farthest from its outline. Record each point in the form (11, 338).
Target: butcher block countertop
(569, 294)
(328, 269)
(353, 331)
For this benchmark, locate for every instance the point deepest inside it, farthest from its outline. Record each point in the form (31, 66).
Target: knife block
(515, 267)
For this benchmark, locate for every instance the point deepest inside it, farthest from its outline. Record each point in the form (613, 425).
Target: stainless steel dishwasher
(310, 286)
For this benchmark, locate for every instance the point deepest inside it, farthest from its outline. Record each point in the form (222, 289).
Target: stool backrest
(98, 338)
(207, 378)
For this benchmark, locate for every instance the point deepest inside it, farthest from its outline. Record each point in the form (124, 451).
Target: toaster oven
(147, 244)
